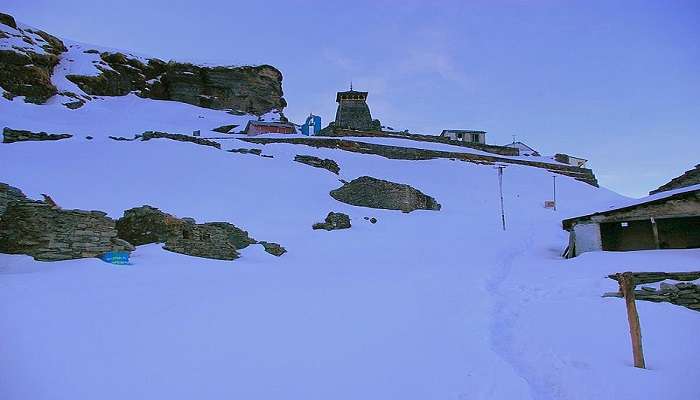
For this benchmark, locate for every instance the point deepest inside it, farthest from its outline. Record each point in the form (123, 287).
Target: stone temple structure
(353, 112)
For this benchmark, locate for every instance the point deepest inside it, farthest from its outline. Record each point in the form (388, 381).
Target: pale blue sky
(615, 82)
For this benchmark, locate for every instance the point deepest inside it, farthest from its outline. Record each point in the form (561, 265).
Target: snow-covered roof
(655, 198)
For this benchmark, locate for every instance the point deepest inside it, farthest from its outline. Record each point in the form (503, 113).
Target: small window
(624, 224)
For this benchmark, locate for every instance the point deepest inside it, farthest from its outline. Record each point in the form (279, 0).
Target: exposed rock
(120, 138)
(14, 135)
(334, 221)
(9, 194)
(371, 192)
(179, 137)
(255, 90)
(224, 128)
(257, 152)
(273, 248)
(218, 240)
(49, 233)
(8, 20)
(326, 163)
(690, 177)
(373, 220)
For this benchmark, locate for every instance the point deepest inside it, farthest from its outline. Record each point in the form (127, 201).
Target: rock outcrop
(148, 135)
(371, 192)
(26, 70)
(333, 221)
(218, 240)
(325, 163)
(251, 89)
(224, 128)
(689, 178)
(49, 233)
(14, 135)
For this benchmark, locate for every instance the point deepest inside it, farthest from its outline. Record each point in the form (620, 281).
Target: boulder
(333, 221)
(15, 135)
(218, 240)
(49, 233)
(326, 163)
(371, 192)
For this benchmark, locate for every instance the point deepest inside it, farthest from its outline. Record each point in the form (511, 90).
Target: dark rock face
(8, 20)
(366, 191)
(9, 194)
(49, 233)
(273, 248)
(333, 221)
(326, 163)
(689, 178)
(254, 90)
(224, 128)
(26, 71)
(179, 137)
(14, 135)
(218, 240)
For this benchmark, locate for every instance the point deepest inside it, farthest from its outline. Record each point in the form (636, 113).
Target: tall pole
(500, 191)
(554, 180)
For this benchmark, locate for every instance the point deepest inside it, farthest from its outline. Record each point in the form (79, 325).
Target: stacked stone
(371, 192)
(14, 135)
(9, 194)
(50, 233)
(325, 163)
(684, 294)
(148, 135)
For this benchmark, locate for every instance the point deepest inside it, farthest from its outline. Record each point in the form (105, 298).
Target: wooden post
(627, 285)
(655, 229)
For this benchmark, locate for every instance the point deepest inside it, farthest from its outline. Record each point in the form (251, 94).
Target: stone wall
(405, 153)
(9, 194)
(50, 233)
(14, 135)
(685, 294)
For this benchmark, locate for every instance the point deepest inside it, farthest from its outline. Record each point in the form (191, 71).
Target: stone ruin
(49, 233)
(684, 293)
(371, 192)
(218, 240)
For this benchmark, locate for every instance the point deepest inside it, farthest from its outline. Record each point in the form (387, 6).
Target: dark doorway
(628, 235)
(679, 233)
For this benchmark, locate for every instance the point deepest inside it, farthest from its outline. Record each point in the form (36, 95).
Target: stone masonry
(50, 233)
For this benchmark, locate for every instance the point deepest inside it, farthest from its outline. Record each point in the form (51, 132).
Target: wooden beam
(627, 285)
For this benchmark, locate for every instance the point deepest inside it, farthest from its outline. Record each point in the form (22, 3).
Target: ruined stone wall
(685, 294)
(49, 233)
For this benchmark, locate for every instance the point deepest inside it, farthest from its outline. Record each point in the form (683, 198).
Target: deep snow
(437, 305)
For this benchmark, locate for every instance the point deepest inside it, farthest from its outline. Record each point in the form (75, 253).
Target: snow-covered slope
(431, 304)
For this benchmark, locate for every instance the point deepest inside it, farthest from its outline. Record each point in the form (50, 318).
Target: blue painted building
(312, 125)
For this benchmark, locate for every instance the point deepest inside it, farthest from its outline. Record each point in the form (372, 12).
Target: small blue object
(116, 257)
(312, 125)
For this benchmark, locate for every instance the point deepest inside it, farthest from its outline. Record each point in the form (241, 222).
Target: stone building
(465, 135)
(668, 220)
(353, 112)
(254, 128)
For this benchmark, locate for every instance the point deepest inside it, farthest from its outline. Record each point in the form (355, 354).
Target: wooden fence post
(627, 285)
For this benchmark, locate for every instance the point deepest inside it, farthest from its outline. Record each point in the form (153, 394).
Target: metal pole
(500, 190)
(554, 179)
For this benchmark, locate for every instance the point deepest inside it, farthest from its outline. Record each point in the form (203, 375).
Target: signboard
(550, 204)
(116, 257)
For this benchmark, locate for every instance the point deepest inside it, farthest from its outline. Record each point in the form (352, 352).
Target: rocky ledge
(371, 192)
(14, 135)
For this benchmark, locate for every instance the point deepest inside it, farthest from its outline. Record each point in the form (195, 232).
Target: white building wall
(587, 238)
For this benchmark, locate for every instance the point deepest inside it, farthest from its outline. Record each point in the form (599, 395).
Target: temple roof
(351, 95)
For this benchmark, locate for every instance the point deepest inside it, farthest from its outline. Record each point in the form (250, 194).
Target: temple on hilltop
(353, 112)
